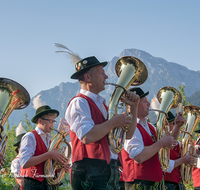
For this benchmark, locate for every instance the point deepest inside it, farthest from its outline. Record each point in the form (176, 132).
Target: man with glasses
(34, 150)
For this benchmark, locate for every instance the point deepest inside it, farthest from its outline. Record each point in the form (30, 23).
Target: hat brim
(170, 120)
(145, 94)
(37, 116)
(17, 144)
(19, 138)
(197, 131)
(76, 74)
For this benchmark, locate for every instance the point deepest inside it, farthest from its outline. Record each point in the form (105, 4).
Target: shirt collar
(93, 96)
(40, 132)
(141, 122)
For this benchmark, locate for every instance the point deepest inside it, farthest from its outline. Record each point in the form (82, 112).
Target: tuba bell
(187, 141)
(131, 71)
(168, 97)
(51, 167)
(12, 96)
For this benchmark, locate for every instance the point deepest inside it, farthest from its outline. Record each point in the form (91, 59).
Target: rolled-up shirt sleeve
(15, 167)
(135, 145)
(78, 116)
(27, 149)
(171, 166)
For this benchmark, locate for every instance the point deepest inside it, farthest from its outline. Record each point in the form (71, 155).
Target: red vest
(175, 175)
(37, 171)
(128, 166)
(95, 150)
(148, 170)
(195, 176)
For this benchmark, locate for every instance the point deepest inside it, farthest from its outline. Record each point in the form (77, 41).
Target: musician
(139, 158)
(15, 165)
(196, 169)
(173, 179)
(92, 166)
(34, 150)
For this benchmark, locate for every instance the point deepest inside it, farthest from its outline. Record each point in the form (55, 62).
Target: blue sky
(28, 30)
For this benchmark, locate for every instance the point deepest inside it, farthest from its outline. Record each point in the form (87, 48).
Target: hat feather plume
(20, 130)
(37, 102)
(74, 57)
(155, 105)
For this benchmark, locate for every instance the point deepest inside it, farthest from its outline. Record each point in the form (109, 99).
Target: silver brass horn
(131, 71)
(12, 96)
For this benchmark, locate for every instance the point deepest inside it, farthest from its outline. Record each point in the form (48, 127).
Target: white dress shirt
(15, 167)
(78, 114)
(28, 145)
(135, 145)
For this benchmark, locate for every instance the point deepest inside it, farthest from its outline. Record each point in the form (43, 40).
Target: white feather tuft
(155, 105)
(20, 130)
(74, 57)
(37, 102)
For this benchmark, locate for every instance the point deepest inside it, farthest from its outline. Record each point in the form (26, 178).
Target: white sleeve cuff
(171, 166)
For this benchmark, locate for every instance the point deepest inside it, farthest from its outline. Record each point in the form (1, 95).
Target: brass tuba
(131, 71)
(187, 141)
(168, 97)
(51, 167)
(12, 96)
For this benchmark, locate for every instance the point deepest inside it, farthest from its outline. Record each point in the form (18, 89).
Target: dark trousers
(16, 187)
(33, 184)
(95, 174)
(197, 188)
(174, 186)
(144, 185)
(121, 184)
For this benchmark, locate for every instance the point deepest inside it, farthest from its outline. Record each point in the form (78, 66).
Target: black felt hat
(139, 92)
(19, 138)
(170, 117)
(42, 111)
(86, 64)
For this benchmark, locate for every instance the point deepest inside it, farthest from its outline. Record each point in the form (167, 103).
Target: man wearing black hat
(87, 115)
(139, 158)
(173, 179)
(34, 150)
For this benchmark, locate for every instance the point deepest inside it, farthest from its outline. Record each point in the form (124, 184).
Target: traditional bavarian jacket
(35, 172)
(143, 171)
(95, 150)
(175, 175)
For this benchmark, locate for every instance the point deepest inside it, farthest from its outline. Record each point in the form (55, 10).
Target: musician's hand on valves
(131, 99)
(67, 167)
(180, 120)
(189, 160)
(58, 157)
(122, 120)
(167, 141)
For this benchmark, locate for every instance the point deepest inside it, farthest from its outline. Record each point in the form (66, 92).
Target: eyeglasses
(50, 120)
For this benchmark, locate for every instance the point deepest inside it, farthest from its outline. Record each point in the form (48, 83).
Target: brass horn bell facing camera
(131, 71)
